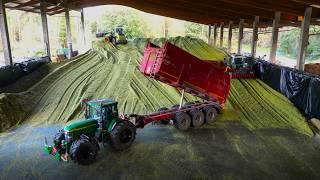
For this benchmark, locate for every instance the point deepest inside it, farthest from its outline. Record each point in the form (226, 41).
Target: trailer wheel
(83, 151)
(123, 135)
(161, 110)
(197, 118)
(182, 121)
(210, 114)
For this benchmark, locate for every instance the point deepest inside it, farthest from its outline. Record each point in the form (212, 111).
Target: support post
(181, 99)
(43, 11)
(215, 35)
(274, 40)
(221, 35)
(304, 37)
(69, 35)
(82, 27)
(240, 36)
(255, 36)
(230, 36)
(209, 34)
(5, 35)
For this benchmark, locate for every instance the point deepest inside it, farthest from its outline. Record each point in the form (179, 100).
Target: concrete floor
(225, 150)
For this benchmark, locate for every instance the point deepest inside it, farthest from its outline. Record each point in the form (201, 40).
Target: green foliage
(94, 27)
(196, 30)
(288, 43)
(130, 20)
(62, 32)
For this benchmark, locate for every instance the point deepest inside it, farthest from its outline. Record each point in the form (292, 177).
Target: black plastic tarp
(9, 74)
(301, 88)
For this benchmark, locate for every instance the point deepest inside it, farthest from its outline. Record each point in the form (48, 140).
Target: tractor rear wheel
(210, 114)
(163, 121)
(182, 121)
(84, 151)
(123, 135)
(197, 118)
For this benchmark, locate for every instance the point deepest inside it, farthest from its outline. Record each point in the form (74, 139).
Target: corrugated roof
(200, 11)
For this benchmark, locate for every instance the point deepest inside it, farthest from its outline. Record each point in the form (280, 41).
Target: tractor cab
(104, 109)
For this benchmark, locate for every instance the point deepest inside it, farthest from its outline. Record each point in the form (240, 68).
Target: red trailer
(172, 65)
(209, 80)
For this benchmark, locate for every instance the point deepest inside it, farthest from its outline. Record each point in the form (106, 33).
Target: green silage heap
(112, 72)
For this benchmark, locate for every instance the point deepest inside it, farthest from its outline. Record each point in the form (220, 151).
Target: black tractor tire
(210, 114)
(197, 118)
(182, 121)
(165, 122)
(123, 135)
(58, 137)
(83, 151)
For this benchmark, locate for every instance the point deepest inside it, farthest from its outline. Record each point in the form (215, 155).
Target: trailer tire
(210, 114)
(182, 121)
(123, 135)
(83, 151)
(165, 122)
(197, 118)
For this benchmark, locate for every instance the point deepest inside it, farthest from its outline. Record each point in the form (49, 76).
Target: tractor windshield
(92, 112)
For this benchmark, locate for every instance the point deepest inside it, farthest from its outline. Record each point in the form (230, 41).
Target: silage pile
(112, 72)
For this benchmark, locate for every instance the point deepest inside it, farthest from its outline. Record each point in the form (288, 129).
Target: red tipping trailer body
(172, 65)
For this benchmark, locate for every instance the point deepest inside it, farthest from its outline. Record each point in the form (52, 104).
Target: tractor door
(111, 114)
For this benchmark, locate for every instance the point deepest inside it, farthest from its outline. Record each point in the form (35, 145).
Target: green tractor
(80, 139)
(116, 36)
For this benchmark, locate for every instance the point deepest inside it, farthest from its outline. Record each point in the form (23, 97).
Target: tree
(196, 30)
(62, 32)
(129, 19)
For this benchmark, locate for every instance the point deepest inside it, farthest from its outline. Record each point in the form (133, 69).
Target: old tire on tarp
(123, 135)
(83, 151)
(182, 121)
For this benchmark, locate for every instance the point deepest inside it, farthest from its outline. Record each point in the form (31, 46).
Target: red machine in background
(172, 65)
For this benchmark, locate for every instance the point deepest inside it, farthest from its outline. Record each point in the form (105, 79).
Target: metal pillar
(255, 36)
(221, 35)
(209, 34)
(274, 40)
(82, 27)
(215, 35)
(230, 36)
(304, 37)
(43, 12)
(5, 35)
(240, 36)
(69, 35)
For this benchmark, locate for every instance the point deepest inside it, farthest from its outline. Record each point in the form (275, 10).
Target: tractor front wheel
(123, 135)
(84, 151)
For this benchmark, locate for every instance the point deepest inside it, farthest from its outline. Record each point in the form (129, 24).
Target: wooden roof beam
(30, 3)
(284, 6)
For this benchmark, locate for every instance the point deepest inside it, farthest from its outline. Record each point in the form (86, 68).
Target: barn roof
(200, 11)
